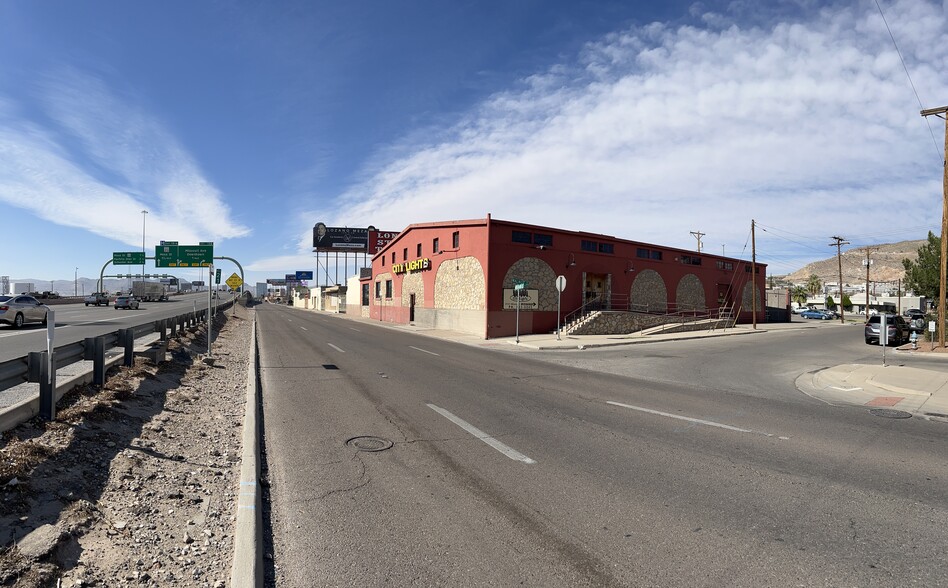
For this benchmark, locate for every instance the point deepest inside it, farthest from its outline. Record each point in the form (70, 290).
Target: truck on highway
(149, 291)
(97, 298)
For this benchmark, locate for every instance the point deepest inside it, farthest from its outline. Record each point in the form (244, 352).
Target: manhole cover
(890, 413)
(366, 443)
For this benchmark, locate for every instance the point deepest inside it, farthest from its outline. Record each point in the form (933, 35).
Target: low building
(472, 275)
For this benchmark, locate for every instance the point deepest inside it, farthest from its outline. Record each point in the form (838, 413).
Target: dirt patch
(134, 484)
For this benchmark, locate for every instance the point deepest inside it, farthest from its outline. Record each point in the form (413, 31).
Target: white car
(18, 310)
(129, 302)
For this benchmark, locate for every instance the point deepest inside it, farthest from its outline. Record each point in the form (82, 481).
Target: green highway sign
(195, 255)
(217, 276)
(520, 285)
(128, 258)
(166, 255)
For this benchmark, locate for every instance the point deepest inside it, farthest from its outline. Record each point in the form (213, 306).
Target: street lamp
(144, 212)
(76, 283)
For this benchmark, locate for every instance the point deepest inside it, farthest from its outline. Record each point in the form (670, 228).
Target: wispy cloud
(100, 161)
(655, 131)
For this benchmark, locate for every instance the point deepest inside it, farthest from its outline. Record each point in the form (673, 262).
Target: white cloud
(100, 163)
(655, 131)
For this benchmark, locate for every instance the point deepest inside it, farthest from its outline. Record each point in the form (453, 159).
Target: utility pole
(697, 235)
(940, 112)
(839, 261)
(867, 263)
(753, 274)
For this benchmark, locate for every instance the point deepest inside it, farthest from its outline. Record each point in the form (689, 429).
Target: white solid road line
(509, 452)
(694, 420)
(304, 328)
(336, 348)
(424, 350)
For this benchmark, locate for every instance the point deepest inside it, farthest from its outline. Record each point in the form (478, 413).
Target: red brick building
(463, 275)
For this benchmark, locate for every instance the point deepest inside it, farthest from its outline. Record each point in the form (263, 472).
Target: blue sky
(245, 123)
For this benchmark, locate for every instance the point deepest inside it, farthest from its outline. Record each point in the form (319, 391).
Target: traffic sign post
(560, 286)
(519, 286)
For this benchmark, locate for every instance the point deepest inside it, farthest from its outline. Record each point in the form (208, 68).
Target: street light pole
(75, 283)
(144, 212)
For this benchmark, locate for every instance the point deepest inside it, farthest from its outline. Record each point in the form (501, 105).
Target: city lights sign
(417, 265)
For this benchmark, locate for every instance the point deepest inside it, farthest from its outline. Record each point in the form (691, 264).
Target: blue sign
(304, 275)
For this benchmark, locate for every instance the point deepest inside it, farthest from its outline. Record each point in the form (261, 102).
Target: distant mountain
(886, 264)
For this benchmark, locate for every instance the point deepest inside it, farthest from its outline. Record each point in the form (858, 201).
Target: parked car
(799, 309)
(19, 310)
(916, 319)
(129, 302)
(897, 328)
(832, 313)
(816, 314)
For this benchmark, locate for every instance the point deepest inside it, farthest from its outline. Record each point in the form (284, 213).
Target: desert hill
(886, 264)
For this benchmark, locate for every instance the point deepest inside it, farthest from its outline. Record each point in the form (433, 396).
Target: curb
(247, 567)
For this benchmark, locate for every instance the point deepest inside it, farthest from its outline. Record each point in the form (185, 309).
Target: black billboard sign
(340, 238)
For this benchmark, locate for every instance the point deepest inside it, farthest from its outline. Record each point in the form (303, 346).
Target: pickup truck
(97, 298)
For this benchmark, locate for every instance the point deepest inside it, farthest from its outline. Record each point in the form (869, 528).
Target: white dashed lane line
(336, 348)
(694, 420)
(508, 451)
(424, 350)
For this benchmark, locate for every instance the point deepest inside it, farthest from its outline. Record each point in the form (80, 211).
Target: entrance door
(411, 308)
(595, 290)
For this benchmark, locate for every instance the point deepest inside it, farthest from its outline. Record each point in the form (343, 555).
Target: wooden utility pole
(940, 113)
(839, 260)
(697, 235)
(754, 274)
(868, 263)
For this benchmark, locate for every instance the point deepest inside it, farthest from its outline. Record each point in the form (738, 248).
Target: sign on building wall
(379, 239)
(415, 265)
(529, 299)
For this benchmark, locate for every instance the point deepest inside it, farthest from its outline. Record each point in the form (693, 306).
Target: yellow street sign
(234, 281)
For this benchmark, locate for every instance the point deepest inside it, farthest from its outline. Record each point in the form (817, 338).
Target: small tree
(847, 303)
(799, 295)
(924, 275)
(830, 303)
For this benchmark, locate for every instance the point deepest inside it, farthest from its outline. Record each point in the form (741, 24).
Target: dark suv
(896, 326)
(916, 319)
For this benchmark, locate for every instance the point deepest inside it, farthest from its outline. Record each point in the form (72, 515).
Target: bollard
(98, 362)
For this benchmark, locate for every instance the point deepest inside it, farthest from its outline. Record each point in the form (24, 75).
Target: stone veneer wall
(383, 301)
(648, 290)
(690, 294)
(539, 276)
(413, 283)
(460, 285)
(618, 323)
(747, 302)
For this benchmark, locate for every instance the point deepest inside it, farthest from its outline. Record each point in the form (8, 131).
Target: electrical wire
(920, 106)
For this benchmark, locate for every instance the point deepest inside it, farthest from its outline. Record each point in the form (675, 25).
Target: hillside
(886, 264)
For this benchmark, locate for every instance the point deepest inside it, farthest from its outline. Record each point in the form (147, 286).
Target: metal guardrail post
(47, 382)
(127, 341)
(160, 328)
(88, 347)
(174, 327)
(98, 362)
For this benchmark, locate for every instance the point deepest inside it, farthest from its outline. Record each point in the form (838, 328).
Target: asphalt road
(75, 322)
(691, 463)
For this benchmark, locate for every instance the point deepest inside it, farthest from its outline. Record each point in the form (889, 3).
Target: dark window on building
(365, 294)
(405, 254)
(383, 260)
(725, 265)
(747, 269)
(419, 251)
(388, 288)
(456, 239)
(643, 253)
(522, 237)
(691, 260)
(434, 245)
(589, 246)
(545, 240)
(657, 255)
(378, 289)
(606, 248)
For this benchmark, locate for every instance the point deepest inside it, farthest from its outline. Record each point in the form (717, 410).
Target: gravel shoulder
(135, 484)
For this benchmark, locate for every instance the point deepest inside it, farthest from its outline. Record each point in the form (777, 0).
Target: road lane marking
(694, 420)
(304, 328)
(336, 348)
(424, 350)
(508, 451)
(845, 389)
(356, 330)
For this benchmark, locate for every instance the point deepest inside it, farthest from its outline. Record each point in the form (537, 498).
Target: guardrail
(35, 366)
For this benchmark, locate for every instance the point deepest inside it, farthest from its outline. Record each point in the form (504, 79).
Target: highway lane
(505, 470)
(75, 322)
